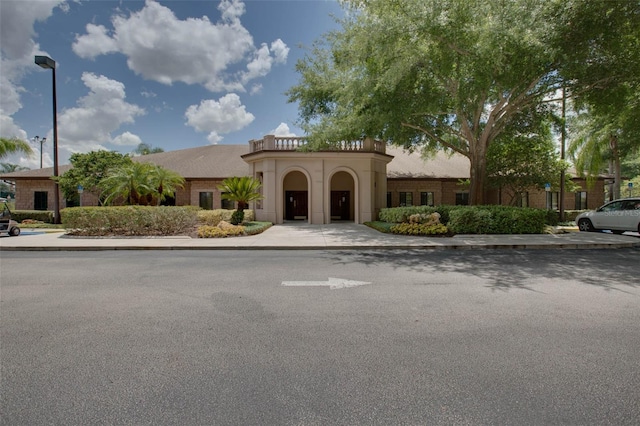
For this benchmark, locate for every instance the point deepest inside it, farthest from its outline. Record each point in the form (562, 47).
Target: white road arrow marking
(332, 283)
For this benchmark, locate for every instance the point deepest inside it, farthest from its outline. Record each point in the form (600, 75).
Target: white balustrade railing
(287, 143)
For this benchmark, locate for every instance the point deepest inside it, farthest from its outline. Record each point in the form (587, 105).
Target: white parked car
(616, 216)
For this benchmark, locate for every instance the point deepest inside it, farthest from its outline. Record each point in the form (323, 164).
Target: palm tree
(9, 168)
(165, 182)
(241, 190)
(13, 146)
(131, 183)
(595, 148)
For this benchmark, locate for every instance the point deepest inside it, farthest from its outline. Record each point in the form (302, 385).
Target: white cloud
(280, 50)
(18, 49)
(263, 61)
(96, 42)
(163, 48)
(282, 130)
(255, 89)
(219, 117)
(127, 139)
(231, 10)
(102, 111)
(16, 24)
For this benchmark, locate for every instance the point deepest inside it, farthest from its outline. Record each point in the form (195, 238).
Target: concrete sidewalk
(335, 236)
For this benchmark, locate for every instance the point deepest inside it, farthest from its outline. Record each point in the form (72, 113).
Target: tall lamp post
(48, 63)
(37, 139)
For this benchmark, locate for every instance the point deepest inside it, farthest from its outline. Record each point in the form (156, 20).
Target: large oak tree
(454, 74)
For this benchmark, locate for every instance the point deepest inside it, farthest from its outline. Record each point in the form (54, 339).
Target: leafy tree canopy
(454, 74)
(524, 160)
(89, 169)
(146, 149)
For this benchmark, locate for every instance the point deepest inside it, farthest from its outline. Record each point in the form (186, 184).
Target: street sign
(80, 189)
(547, 187)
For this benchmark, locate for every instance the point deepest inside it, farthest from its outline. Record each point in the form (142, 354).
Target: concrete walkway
(295, 236)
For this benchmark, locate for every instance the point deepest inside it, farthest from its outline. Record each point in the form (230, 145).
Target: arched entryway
(342, 197)
(296, 196)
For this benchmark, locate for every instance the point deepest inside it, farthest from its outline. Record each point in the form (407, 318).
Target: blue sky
(172, 74)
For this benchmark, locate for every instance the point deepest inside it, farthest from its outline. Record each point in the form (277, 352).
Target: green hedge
(129, 220)
(401, 214)
(214, 217)
(479, 219)
(40, 215)
(419, 229)
(497, 220)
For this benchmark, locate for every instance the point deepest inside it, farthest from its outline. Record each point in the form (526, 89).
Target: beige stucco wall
(319, 173)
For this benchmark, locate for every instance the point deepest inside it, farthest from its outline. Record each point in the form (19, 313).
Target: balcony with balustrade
(287, 143)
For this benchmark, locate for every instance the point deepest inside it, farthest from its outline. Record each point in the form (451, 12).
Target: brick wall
(445, 193)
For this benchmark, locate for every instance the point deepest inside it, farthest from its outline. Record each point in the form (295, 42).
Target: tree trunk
(617, 168)
(477, 173)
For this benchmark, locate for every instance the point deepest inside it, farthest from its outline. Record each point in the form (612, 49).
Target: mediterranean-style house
(350, 182)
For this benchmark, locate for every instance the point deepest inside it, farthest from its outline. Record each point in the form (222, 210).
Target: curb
(456, 247)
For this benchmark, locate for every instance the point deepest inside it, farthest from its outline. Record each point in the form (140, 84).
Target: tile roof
(414, 165)
(220, 161)
(211, 161)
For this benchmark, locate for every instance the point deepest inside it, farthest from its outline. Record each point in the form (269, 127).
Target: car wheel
(14, 232)
(585, 225)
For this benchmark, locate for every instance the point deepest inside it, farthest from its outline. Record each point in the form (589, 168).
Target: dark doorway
(296, 205)
(40, 200)
(340, 205)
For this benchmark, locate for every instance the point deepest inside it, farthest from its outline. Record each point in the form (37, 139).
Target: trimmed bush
(402, 214)
(419, 229)
(225, 229)
(210, 217)
(497, 220)
(237, 217)
(254, 228)
(37, 215)
(207, 231)
(476, 219)
(214, 217)
(129, 220)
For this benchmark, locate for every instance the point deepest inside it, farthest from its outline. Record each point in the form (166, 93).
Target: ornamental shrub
(210, 217)
(129, 220)
(419, 229)
(253, 228)
(213, 217)
(39, 215)
(222, 230)
(237, 217)
(496, 220)
(402, 214)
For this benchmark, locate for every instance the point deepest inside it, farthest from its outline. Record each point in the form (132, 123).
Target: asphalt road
(436, 337)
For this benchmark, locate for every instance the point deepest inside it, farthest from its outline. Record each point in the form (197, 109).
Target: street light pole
(37, 139)
(48, 63)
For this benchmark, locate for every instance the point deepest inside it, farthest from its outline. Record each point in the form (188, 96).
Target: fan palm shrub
(242, 190)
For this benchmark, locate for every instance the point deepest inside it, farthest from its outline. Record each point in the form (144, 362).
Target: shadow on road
(613, 270)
